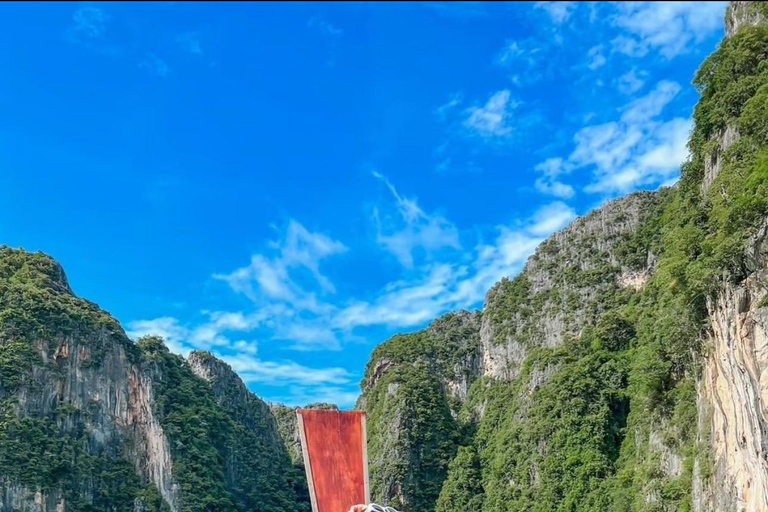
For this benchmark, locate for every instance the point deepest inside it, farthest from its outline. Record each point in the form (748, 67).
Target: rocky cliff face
(625, 367)
(741, 14)
(563, 288)
(79, 379)
(413, 390)
(91, 421)
(734, 390)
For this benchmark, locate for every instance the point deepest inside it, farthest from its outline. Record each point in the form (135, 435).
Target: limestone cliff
(625, 368)
(413, 390)
(90, 420)
(425, 378)
(734, 389)
(69, 372)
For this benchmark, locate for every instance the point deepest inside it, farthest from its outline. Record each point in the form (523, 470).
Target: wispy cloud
(596, 57)
(494, 118)
(155, 65)
(90, 22)
(530, 60)
(446, 108)
(104, 31)
(549, 183)
(302, 309)
(252, 369)
(448, 285)
(190, 42)
(669, 27)
(330, 34)
(414, 231)
(631, 81)
(324, 27)
(650, 106)
(215, 332)
(275, 278)
(636, 150)
(91, 27)
(558, 11)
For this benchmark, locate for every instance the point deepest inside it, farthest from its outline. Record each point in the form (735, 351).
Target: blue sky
(288, 185)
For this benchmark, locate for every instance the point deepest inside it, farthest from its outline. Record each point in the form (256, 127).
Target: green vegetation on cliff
(52, 451)
(412, 428)
(463, 490)
(67, 367)
(37, 303)
(594, 406)
(220, 462)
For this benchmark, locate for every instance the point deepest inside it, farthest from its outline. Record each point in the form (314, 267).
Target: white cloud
(448, 286)
(155, 65)
(672, 149)
(190, 42)
(649, 106)
(167, 327)
(548, 182)
(550, 218)
(207, 335)
(324, 27)
(669, 27)
(493, 118)
(558, 11)
(420, 231)
(252, 370)
(631, 81)
(596, 57)
(554, 188)
(634, 151)
(446, 108)
(245, 347)
(241, 355)
(530, 59)
(654, 157)
(629, 46)
(307, 335)
(233, 321)
(90, 22)
(270, 278)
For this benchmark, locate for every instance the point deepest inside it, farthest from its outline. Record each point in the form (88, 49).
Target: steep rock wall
(734, 388)
(82, 378)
